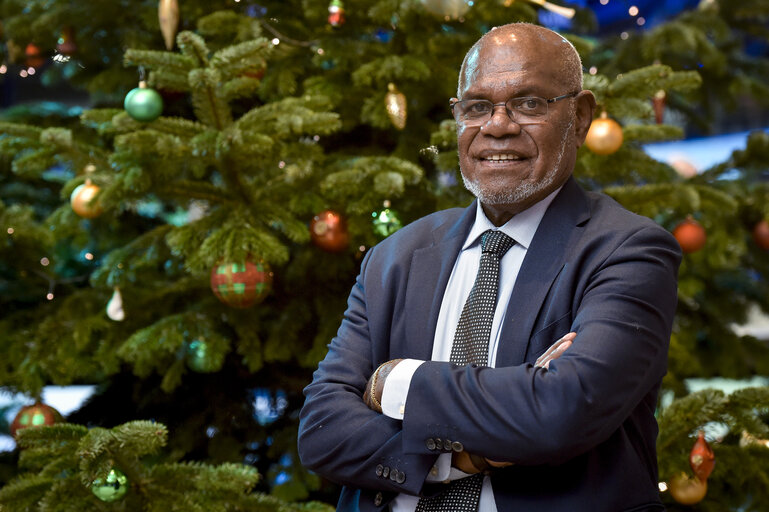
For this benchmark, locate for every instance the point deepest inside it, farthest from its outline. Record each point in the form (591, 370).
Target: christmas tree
(189, 244)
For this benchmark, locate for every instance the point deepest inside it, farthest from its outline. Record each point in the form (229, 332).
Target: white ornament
(115, 306)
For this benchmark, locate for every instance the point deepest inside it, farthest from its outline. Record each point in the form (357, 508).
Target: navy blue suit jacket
(582, 435)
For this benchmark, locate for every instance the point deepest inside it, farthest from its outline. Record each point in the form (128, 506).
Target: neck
(497, 216)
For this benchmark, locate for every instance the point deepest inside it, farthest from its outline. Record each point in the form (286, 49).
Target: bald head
(532, 41)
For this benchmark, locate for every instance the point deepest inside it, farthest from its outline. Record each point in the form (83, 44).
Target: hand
(462, 461)
(555, 351)
(472, 464)
(372, 395)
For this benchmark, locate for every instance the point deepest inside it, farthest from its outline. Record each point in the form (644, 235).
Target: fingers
(555, 350)
(496, 464)
(461, 460)
(555, 355)
(367, 395)
(372, 395)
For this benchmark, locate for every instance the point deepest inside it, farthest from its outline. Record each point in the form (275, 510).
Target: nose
(500, 124)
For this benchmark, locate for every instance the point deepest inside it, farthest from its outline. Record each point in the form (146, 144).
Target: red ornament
(328, 230)
(761, 235)
(34, 57)
(690, 235)
(256, 74)
(336, 13)
(241, 285)
(35, 415)
(702, 459)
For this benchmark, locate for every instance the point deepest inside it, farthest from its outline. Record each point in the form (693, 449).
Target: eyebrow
(525, 90)
(523, 93)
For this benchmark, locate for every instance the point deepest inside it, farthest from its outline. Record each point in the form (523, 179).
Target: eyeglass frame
(548, 101)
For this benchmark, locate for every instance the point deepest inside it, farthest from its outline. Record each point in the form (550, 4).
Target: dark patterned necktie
(471, 345)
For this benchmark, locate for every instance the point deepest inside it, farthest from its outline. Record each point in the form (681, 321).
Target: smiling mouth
(501, 158)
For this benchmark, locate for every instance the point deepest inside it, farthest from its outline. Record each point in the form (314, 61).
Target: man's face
(510, 167)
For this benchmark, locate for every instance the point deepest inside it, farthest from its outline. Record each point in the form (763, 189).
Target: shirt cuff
(443, 471)
(440, 470)
(396, 388)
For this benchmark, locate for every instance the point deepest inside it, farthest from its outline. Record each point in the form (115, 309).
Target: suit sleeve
(528, 415)
(339, 436)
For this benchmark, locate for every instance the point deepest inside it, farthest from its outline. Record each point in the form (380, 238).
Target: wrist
(479, 463)
(377, 381)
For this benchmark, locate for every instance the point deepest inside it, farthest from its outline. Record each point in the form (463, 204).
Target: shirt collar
(520, 228)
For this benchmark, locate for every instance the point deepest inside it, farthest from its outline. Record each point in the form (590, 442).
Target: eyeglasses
(524, 110)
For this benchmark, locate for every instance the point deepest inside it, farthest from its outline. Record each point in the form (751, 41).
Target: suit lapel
(428, 276)
(544, 260)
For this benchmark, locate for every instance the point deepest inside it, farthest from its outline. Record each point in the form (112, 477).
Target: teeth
(502, 157)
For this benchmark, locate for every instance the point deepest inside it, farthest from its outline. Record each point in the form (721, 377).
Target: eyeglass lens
(528, 110)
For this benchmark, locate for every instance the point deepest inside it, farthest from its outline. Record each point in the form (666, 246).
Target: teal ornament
(198, 359)
(386, 222)
(112, 487)
(143, 104)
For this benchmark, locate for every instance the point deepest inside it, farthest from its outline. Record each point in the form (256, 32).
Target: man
(525, 428)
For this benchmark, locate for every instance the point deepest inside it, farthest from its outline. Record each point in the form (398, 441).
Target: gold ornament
(84, 200)
(604, 136)
(115, 309)
(395, 103)
(658, 103)
(688, 491)
(168, 16)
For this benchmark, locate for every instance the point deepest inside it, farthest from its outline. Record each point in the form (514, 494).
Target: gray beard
(525, 190)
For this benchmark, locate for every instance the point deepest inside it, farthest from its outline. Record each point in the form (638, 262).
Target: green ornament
(143, 104)
(112, 487)
(198, 358)
(386, 222)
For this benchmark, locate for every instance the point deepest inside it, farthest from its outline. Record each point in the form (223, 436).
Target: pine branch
(167, 61)
(392, 68)
(21, 130)
(651, 132)
(21, 494)
(188, 189)
(234, 60)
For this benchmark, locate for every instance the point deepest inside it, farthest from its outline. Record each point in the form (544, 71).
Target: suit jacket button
(457, 446)
(394, 475)
(401, 477)
(430, 443)
(447, 445)
(379, 470)
(386, 472)
(438, 443)
(378, 499)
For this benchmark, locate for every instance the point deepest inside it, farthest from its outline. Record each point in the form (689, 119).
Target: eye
(477, 108)
(528, 104)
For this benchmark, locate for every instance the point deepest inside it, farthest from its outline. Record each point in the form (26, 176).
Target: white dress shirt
(520, 228)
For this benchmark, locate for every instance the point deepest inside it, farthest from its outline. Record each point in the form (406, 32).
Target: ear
(585, 106)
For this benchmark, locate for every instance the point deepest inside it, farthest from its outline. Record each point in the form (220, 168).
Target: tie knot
(496, 242)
